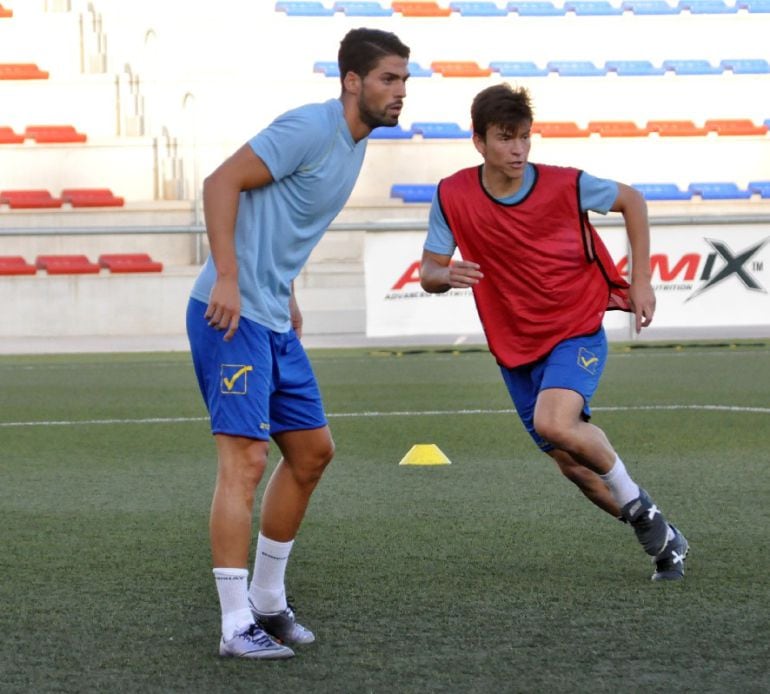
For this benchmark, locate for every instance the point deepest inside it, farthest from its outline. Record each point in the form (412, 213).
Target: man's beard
(375, 120)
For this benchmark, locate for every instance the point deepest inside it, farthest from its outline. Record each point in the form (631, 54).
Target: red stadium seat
(15, 265)
(740, 126)
(5, 13)
(91, 197)
(621, 128)
(449, 68)
(66, 265)
(53, 133)
(558, 129)
(420, 9)
(9, 137)
(675, 128)
(21, 71)
(23, 199)
(129, 262)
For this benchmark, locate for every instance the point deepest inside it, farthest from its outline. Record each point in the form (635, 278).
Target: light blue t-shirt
(596, 194)
(314, 163)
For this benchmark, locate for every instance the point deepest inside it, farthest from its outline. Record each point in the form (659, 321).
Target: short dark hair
(500, 105)
(362, 49)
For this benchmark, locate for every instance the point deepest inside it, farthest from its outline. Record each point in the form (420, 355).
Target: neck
(499, 185)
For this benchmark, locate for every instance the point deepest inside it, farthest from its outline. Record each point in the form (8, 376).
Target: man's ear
(480, 144)
(352, 82)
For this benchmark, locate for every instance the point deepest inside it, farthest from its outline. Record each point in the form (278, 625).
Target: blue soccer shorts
(258, 384)
(574, 364)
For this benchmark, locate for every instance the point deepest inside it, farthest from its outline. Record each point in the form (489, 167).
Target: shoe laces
(258, 636)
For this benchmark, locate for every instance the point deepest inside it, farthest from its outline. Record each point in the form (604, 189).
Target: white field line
(401, 413)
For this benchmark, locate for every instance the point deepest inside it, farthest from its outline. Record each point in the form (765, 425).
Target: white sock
(233, 599)
(621, 486)
(267, 590)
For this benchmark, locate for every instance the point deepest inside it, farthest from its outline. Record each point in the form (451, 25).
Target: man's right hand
(224, 309)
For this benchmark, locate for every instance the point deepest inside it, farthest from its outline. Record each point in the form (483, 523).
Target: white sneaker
(283, 626)
(253, 643)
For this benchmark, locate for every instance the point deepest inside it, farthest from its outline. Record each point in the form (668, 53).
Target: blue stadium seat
(633, 68)
(707, 7)
(746, 67)
(662, 191)
(533, 8)
(517, 69)
(413, 192)
(329, 69)
(718, 191)
(354, 8)
(754, 5)
(575, 68)
(692, 67)
(304, 9)
(592, 7)
(651, 7)
(761, 188)
(438, 131)
(478, 9)
(767, 123)
(416, 70)
(395, 132)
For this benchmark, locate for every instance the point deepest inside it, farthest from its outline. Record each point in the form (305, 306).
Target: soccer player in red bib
(542, 280)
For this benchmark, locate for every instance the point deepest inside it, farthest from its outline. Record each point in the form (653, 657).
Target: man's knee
(242, 461)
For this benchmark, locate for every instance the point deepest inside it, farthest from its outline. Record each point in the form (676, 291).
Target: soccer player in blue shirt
(266, 207)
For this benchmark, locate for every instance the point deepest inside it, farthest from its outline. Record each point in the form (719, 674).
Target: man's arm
(438, 274)
(631, 204)
(244, 170)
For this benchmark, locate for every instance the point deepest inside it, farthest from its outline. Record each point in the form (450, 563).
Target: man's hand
(464, 274)
(642, 299)
(224, 309)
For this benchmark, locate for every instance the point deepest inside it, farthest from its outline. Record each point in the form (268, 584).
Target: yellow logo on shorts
(234, 379)
(587, 360)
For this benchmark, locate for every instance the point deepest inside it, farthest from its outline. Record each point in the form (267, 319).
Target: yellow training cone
(425, 454)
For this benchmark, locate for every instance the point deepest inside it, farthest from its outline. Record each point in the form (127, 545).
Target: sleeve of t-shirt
(440, 239)
(597, 194)
(292, 141)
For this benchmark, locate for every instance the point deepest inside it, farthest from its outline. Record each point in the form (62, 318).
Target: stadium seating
(478, 9)
(5, 13)
(362, 9)
(649, 7)
(129, 262)
(707, 7)
(28, 199)
(740, 126)
(634, 68)
(761, 188)
(53, 133)
(754, 66)
(754, 5)
(15, 265)
(675, 128)
(718, 191)
(66, 265)
(434, 131)
(9, 137)
(21, 71)
(558, 129)
(304, 9)
(420, 9)
(616, 128)
(575, 68)
(662, 191)
(413, 192)
(592, 8)
(517, 69)
(462, 68)
(533, 8)
(691, 67)
(91, 197)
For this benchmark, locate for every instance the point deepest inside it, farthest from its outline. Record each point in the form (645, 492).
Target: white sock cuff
(274, 549)
(230, 573)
